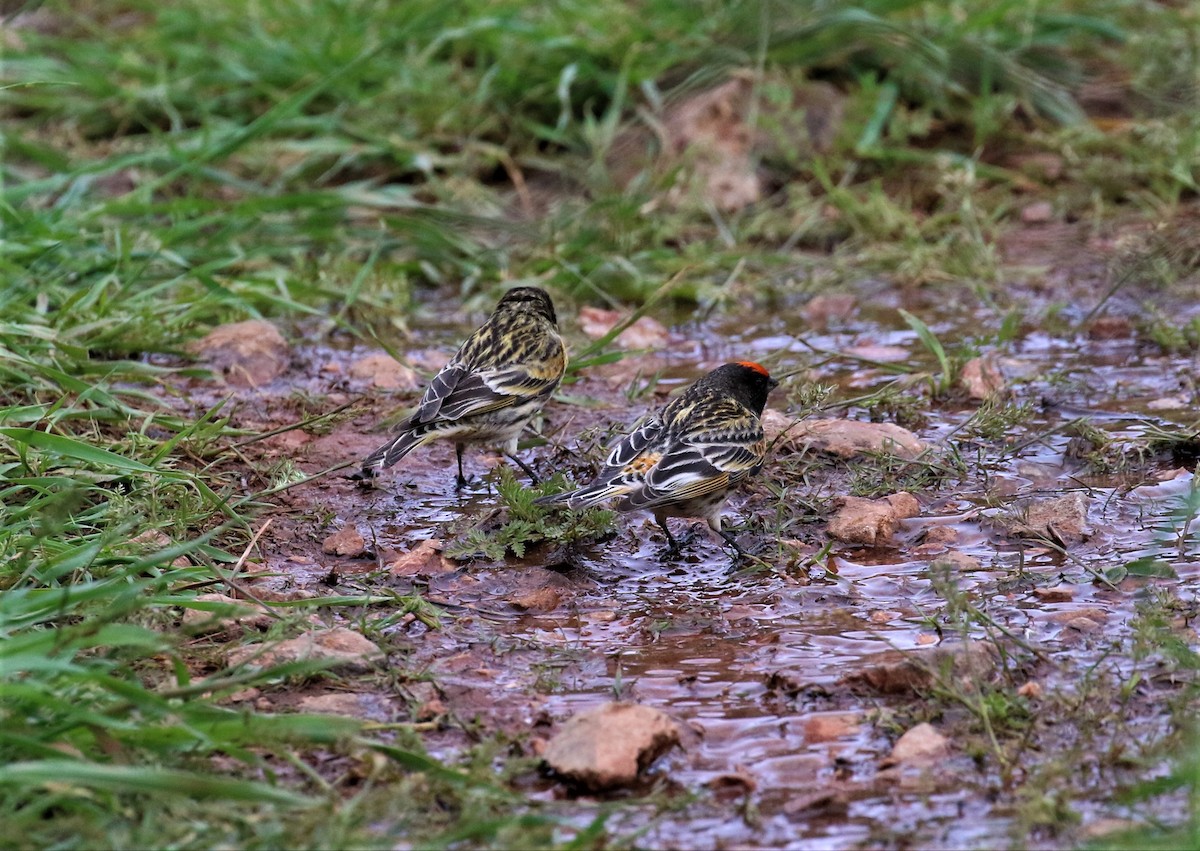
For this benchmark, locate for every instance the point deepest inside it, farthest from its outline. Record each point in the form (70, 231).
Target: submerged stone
(907, 671)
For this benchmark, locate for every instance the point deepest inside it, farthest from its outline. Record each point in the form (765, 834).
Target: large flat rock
(842, 438)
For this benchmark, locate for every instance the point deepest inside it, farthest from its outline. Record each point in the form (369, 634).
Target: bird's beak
(772, 383)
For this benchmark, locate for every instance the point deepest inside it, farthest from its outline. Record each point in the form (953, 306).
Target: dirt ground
(794, 674)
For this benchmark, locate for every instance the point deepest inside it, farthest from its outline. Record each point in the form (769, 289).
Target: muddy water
(753, 659)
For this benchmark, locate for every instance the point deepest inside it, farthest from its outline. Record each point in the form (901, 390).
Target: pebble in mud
(733, 784)
(385, 372)
(1092, 613)
(871, 521)
(830, 726)
(981, 378)
(607, 747)
(345, 542)
(1031, 690)
(1103, 827)
(154, 539)
(536, 600)
(823, 310)
(934, 540)
(1057, 594)
(906, 671)
(827, 801)
(1169, 403)
(1110, 328)
(1062, 518)
(247, 354)
(371, 707)
(425, 560)
(877, 352)
(1084, 625)
(425, 702)
(1037, 213)
(238, 615)
(957, 562)
(344, 648)
(921, 745)
(645, 333)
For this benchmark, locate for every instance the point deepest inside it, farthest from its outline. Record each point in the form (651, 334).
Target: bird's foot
(365, 478)
(672, 552)
(739, 554)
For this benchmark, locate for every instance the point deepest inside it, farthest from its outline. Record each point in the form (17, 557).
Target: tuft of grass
(234, 156)
(997, 420)
(519, 525)
(943, 382)
(884, 473)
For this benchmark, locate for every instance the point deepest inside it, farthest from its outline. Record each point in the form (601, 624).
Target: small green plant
(1102, 453)
(1161, 640)
(995, 419)
(1168, 333)
(518, 524)
(1180, 444)
(642, 386)
(895, 403)
(884, 473)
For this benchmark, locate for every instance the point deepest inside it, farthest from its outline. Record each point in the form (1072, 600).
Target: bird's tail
(392, 451)
(585, 497)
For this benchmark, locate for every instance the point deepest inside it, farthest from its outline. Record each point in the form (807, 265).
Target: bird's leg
(714, 523)
(458, 451)
(511, 456)
(672, 544)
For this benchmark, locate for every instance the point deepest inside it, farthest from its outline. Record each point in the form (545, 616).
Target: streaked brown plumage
(684, 460)
(497, 381)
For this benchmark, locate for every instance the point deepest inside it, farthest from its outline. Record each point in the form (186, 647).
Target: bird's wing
(623, 471)
(721, 449)
(635, 451)
(444, 385)
(493, 389)
(475, 383)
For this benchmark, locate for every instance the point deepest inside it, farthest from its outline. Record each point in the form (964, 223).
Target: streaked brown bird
(497, 381)
(684, 460)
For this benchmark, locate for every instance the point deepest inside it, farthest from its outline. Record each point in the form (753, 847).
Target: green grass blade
(929, 340)
(146, 779)
(67, 447)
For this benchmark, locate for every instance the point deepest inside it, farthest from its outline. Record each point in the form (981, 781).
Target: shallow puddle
(757, 659)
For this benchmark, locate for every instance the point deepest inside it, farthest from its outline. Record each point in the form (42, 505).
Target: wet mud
(790, 671)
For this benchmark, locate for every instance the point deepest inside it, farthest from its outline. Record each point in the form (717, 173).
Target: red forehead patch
(757, 367)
